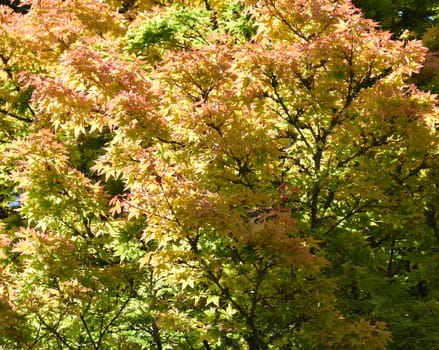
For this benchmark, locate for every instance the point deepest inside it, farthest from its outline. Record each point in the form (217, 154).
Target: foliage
(238, 175)
(185, 28)
(428, 77)
(16, 5)
(401, 15)
(407, 19)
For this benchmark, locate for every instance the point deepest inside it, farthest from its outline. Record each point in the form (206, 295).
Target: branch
(114, 318)
(81, 316)
(347, 216)
(172, 142)
(278, 99)
(430, 217)
(156, 336)
(38, 337)
(248, 317)
(53, 330)
(289, 25)
(15, 116)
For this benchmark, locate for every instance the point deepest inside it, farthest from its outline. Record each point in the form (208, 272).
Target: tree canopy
(214, 175)
(411, 19)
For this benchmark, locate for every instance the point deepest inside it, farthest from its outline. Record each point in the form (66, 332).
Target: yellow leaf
(213, 299)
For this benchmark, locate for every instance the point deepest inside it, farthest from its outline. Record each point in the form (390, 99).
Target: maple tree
(214, 175)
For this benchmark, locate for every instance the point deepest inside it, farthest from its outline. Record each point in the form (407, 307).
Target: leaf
(213, 299)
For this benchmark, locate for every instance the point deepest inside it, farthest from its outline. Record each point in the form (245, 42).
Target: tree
(254, 175)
